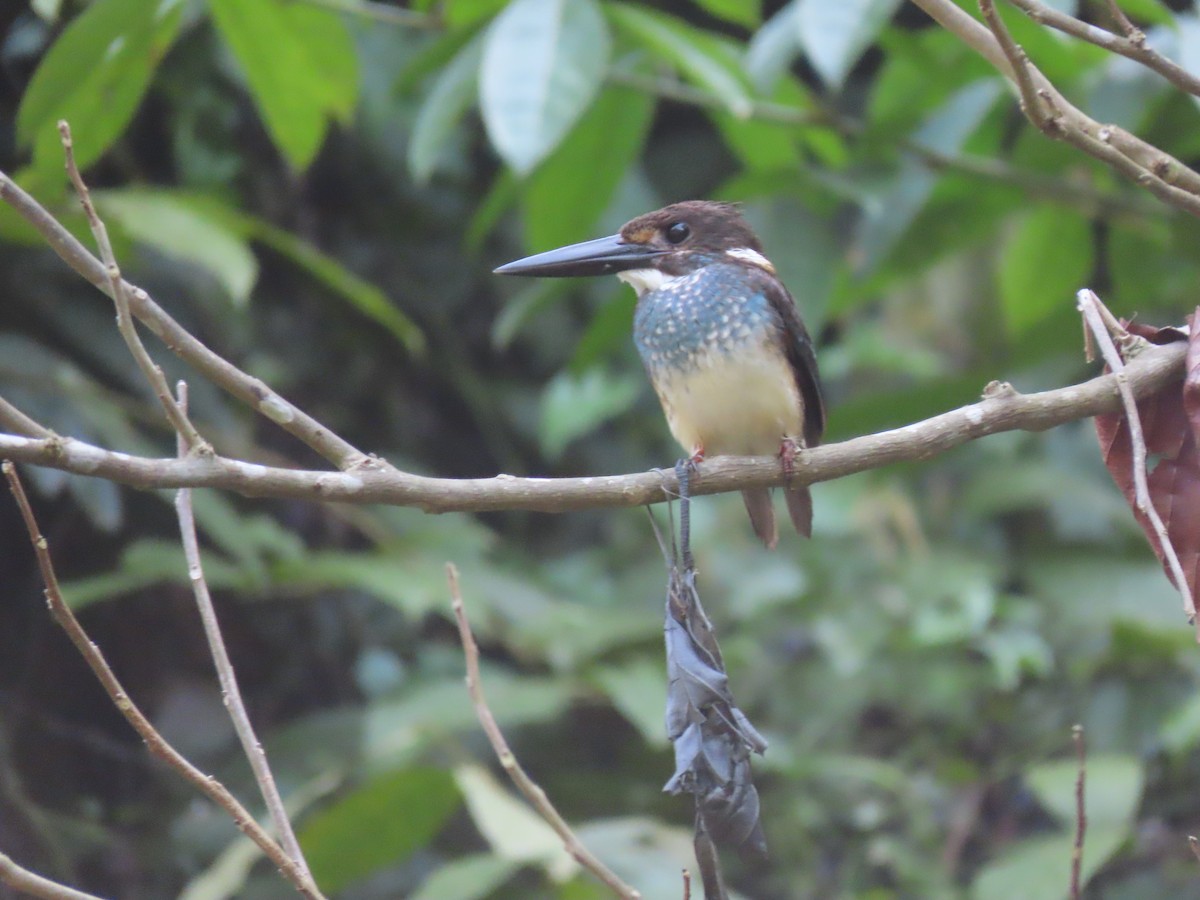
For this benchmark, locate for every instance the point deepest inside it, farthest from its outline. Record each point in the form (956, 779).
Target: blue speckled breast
(714, 308)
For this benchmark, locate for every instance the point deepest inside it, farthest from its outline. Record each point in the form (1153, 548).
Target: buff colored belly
(741, 403)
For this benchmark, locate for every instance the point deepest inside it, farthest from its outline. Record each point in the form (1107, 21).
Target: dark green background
(321, 196)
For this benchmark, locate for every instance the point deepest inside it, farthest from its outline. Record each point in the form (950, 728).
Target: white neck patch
(644, 281)
(746, 255)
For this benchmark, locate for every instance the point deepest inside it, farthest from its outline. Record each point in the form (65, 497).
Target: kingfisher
(720, 337)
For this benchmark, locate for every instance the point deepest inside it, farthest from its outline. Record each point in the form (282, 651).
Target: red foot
(697, 455)
(788, 451)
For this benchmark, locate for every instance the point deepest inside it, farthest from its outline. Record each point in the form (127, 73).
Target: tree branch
(1036, 184)
(1090, 306)
(532, 791)
(154, 741)
(21, 879)
(1080, 812)
(1002, 409)
(14, 420)
(1131, 45)
(1163, 175)
(251, 391)
(230, 692)
(151, 371)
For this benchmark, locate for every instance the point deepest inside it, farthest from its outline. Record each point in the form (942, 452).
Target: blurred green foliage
(320, 189)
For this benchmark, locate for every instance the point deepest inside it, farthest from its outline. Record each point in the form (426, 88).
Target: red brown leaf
(1170, 426)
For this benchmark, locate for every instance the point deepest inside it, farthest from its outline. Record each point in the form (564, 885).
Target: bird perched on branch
(719, 334)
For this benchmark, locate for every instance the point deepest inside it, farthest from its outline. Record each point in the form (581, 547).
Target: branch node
(999, 390)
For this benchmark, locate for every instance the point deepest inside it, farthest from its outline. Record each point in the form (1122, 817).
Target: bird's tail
(762, 515)
(799, 504)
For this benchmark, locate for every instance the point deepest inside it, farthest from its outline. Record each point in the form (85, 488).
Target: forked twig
(508, 761)
(152, 372)
(154, 741)
(230, 692)
(1131, 43)
(252, 391)
(1090, 306)
(1166, 177)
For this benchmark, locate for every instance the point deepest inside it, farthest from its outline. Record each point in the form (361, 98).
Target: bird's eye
(678, 232)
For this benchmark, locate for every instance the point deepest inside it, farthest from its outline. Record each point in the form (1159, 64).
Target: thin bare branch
(154, 741)
(1080, 812)
(1127, 28)
(151, 371)
(251, 391)
(968, 30)
(1089, 305)
(1000, 411)
(230, 692)
(1163, 175)
(1132, 44)
(12, 419)
(34, 885)
(526, 785)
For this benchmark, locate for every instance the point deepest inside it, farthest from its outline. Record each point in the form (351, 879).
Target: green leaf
(522, 308)
(379, 824)
(392, 579)
(773, 48)
(698, 55)
(450, 97)
(94, 76)
(888, 213)
(361, 294)
(1149, 11)
(309, 76)
(467, 878)
(1041, 866)
(638, 691)
(1113, 788)
(1045, 261)
(561, 207)
(171, 225)
(1180, 732)
(608, 329)
(509, 825)
(144, 563)
(834, 33)
(543, 62)
(574, 405)
(739, 12)
(464, 13)
(762, 145)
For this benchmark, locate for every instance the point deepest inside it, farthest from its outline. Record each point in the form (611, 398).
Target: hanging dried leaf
(1170, 424)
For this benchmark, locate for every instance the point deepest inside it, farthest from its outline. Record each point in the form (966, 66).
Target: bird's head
(653, 248)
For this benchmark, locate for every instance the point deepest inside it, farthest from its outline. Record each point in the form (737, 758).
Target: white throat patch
(745, 254)
(645, 281)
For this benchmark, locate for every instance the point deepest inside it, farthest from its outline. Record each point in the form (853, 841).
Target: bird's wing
(798, 348)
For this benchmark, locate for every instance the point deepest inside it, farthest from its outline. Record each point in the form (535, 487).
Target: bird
(720, 337)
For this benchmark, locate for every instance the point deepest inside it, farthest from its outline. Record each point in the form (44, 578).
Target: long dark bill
(603, 256)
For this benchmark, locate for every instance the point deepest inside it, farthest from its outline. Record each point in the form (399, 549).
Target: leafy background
(320, 189)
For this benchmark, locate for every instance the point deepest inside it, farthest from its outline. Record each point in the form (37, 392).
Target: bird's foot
(692, 462)
(789, 449)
